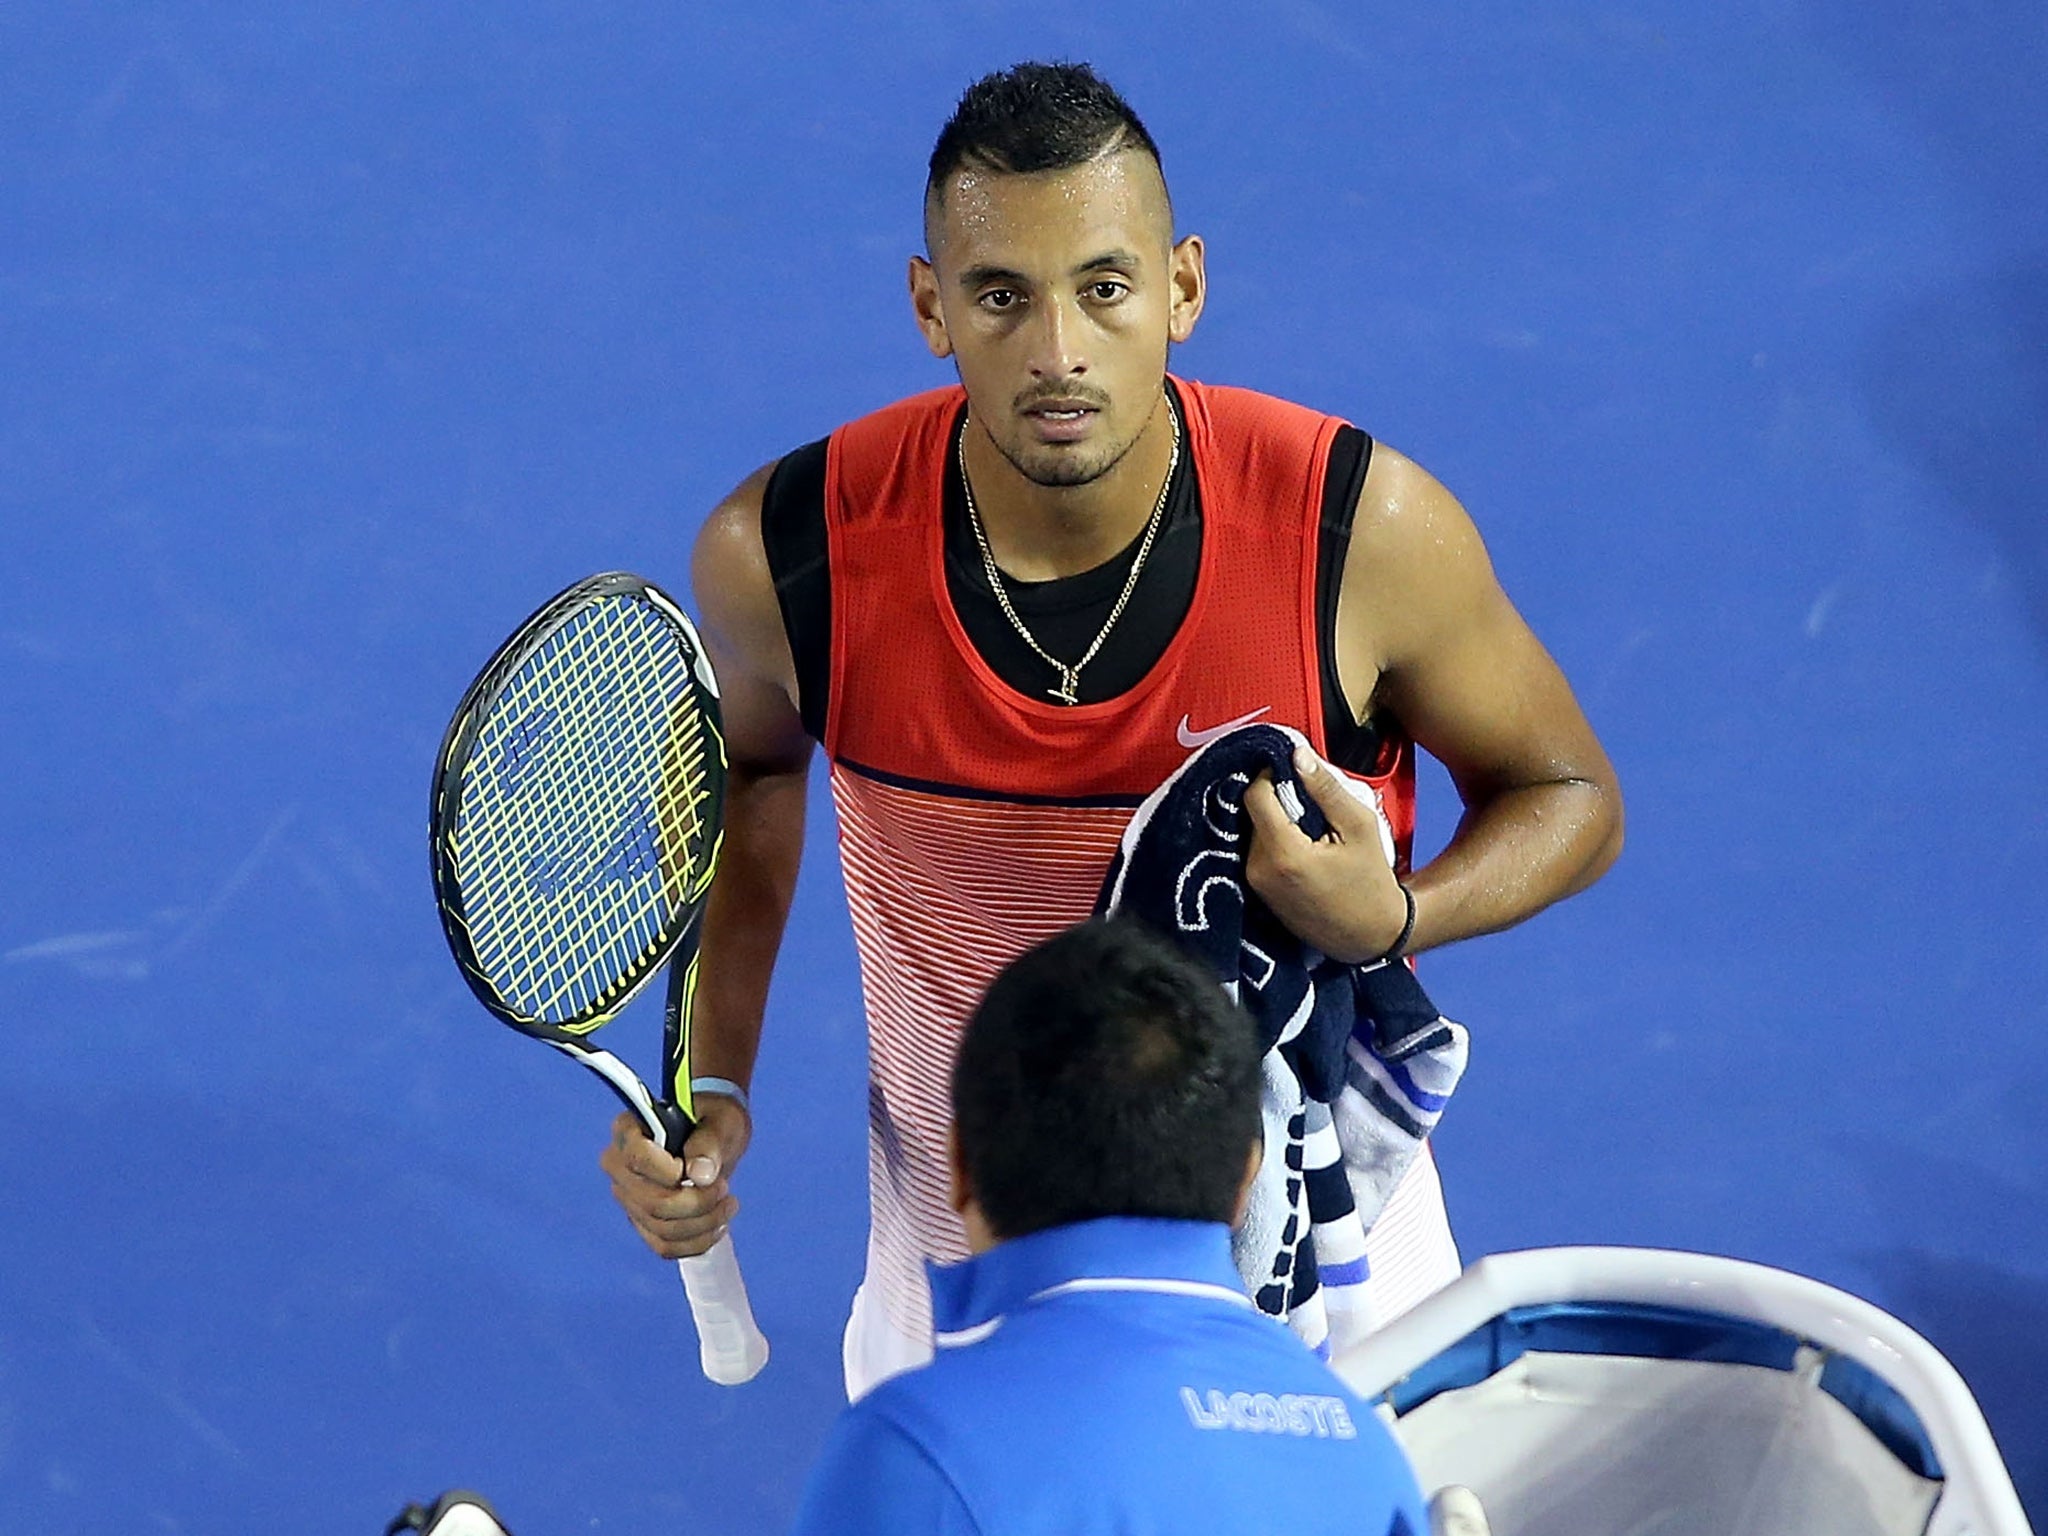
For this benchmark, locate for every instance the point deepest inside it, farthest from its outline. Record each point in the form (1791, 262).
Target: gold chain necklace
(1068, 690)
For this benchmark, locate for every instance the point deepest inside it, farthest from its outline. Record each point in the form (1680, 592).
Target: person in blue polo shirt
(1099, 1368)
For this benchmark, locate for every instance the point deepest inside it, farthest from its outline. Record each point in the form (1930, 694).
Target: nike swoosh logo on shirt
(1191, 738)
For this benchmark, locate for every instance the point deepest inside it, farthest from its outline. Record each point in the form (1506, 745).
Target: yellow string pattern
(584, 823)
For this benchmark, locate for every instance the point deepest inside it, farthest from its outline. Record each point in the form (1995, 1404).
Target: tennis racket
(577, 817)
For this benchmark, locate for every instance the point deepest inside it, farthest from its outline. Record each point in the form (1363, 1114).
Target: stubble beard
(1058, 470)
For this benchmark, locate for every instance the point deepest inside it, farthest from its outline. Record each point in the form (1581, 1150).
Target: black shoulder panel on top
(793, 535)
(1353, 744)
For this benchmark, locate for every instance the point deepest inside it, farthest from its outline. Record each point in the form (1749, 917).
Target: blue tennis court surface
(334, 338)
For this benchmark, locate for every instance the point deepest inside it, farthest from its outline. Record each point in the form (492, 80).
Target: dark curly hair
(1106, 1074)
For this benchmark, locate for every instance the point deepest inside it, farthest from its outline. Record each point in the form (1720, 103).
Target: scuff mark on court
(202, 1428)
(131, 954)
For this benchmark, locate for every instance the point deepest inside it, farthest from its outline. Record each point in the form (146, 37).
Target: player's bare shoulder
(1416, 567)
(735, 588)
(743, 630)
(1410, 529)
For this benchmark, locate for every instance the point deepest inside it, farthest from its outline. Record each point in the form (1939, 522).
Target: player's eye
(1000, 299)
(1107, 290)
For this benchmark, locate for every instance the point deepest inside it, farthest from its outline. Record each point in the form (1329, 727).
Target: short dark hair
(1034, 117)
(1105, 1074)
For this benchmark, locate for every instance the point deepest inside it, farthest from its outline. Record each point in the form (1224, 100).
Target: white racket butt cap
(730, 1343)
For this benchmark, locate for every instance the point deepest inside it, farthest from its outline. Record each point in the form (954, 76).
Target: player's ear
(980, 1235)
(1254, 1159)
(1188, 282)
(924, 303)
(959, 1189)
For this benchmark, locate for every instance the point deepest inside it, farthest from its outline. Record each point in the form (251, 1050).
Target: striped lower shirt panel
(944, 891)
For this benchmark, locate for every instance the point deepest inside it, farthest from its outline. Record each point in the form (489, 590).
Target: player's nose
(1055, 343)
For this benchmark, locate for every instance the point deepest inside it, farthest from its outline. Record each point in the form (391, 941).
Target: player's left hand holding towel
(1359, 1062)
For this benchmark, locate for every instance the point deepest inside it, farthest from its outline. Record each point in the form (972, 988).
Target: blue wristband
(721, 1085)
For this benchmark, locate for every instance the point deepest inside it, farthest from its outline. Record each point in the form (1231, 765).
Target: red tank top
(974, 820)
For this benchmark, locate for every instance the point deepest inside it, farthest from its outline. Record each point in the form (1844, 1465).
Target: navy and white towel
(1358, 1062)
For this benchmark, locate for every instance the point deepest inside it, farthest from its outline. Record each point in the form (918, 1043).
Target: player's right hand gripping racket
(577, 817)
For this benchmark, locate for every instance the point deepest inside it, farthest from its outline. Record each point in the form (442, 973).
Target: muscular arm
(769, 756)
(1424, 633)
(680, 1205)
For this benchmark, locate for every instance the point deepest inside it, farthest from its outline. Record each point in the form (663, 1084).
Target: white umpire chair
(1637, 1392)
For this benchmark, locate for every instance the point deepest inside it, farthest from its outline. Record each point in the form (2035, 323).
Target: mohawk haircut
(1034, 117)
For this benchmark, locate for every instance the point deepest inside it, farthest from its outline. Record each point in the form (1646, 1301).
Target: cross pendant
(1069, 690)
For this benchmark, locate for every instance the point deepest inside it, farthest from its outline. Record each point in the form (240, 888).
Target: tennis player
(1008, 609)
(1099, 1367)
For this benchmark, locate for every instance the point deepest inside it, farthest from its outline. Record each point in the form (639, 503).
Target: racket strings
(557, 851)
(583, 825)
(601, 877)
(623, 862)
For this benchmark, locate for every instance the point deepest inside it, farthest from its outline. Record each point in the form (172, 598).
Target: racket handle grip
(729, 1342)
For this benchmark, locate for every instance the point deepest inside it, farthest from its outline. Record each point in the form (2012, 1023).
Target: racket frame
(456, 747)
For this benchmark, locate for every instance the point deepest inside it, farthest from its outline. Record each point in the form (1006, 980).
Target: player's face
(1056, 295)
